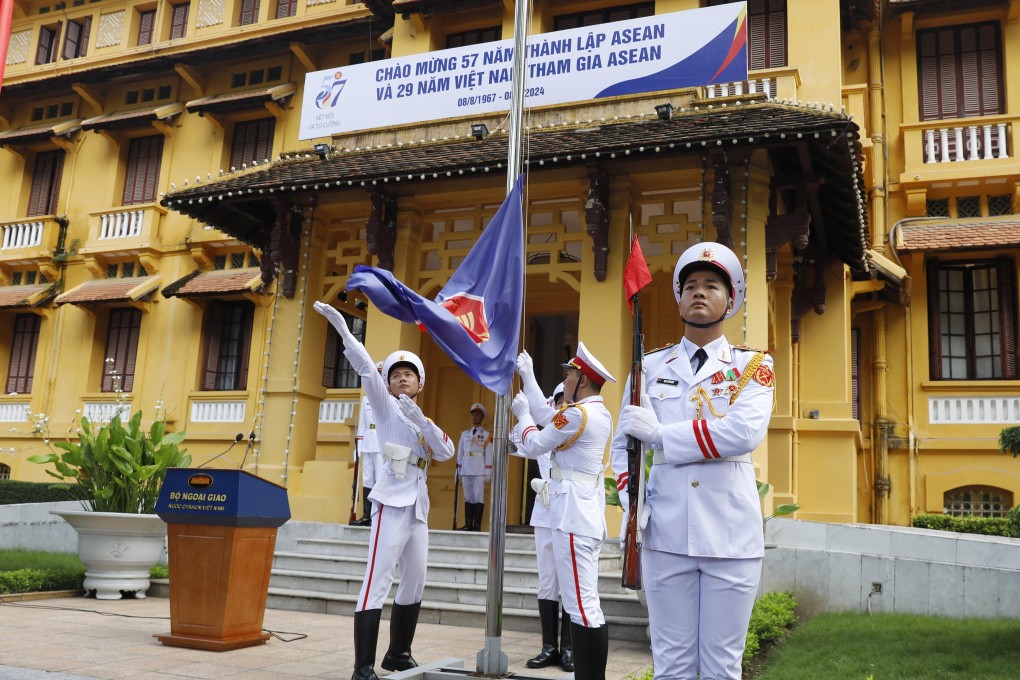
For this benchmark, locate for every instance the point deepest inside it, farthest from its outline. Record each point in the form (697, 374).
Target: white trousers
(370, 467)
(398, 539)
(474, 488)
(698, 611)
(577, 571)
(548, 584)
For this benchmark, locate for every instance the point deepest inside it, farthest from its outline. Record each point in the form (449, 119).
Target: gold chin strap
(701, 396)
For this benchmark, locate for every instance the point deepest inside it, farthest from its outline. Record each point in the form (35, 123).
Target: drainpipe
(882, 426)
(877, 130)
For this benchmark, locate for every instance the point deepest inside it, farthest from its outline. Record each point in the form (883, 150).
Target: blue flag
(476, 317)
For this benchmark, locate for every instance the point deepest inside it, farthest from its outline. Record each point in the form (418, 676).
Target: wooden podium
(221, 527)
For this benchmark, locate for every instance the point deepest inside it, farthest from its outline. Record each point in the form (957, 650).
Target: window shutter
(329, 360)
(249, 12)
(213, 331)
(142, 177)
(777, 33)
(855, 372)
(991, 72)
(45, 183)
(179, 22)
(934, 322)
(253, 140)
(41, 51)
(757, 34)
(122, 345)
(1007, 316)
(947, 64)
(134, 326)
(86, 29)
(929, 75)
(146, 23)
(24, 342)
(247, 316)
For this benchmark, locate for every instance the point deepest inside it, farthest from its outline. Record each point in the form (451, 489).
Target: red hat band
(592, 374)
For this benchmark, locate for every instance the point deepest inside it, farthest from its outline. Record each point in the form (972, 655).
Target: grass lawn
(11, 560)
(896, 647)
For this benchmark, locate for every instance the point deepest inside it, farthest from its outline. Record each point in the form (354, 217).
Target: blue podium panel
(227, 497)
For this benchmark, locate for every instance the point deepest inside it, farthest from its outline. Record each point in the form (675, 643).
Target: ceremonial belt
(473, 453)
(659, 458)
(574, 475)
(420, 463)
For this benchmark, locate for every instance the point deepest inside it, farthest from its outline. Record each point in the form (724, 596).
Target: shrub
(1013, 519)
(772, 616)
(987, 526)
(13, 492)
(36, 580)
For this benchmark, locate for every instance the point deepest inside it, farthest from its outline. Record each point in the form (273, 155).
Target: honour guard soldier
(553, 652)
(706, 407)
(576, 440)
(474, 466)
(368, 451)
(400, 536)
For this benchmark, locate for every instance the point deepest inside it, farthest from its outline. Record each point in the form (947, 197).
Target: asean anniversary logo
(329, 91)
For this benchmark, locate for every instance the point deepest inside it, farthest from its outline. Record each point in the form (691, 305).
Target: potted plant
(116, 471)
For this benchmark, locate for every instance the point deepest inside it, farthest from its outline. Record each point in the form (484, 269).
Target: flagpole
(491, 660)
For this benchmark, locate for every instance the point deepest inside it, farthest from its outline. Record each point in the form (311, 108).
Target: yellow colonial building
(165, 233)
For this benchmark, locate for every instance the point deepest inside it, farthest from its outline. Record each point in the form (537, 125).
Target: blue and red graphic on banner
(476, 317)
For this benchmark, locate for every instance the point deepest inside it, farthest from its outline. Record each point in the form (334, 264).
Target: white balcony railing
(22, 235)
(749, 86)
(15, 412)
(218, 411)
(104, 411)
(973, 410)
(121, 224)
(966, 143)
(336, 410)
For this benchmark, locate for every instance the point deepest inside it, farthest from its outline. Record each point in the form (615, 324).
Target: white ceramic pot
(118, 550)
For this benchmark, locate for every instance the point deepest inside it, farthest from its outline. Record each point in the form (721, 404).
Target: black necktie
(699, 359)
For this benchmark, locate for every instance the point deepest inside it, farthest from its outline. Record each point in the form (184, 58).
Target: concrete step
(625, 604)
(523, 618)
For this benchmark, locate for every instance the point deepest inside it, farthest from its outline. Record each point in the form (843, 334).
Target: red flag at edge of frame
(6, 19)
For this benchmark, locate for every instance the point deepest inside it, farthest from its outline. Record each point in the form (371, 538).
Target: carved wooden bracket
(806, 297)
(284, 246)
(722, 199)
(596, 214)
(780, 230)
(382, 226)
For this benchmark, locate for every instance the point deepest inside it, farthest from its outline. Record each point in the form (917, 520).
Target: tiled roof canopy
(110, 290)
(436, 6)
(224, 282)
(12, 297)
(133, 117)
(37, 133)
(242, 204)
(982, 234)
(236, 101)
(925, 6)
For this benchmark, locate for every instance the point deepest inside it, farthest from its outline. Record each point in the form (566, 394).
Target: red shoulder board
(559, 421)
(764, 376)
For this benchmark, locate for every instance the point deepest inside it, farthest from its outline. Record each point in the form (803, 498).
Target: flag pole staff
(491, 660)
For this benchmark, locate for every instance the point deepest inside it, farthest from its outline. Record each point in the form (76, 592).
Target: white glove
(520, 406)
(336, 320)
(411, 411)
(641, 423)
(623, 526)
(526, 367)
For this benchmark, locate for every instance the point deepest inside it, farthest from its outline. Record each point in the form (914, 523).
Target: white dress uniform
(541, 520)
(576, 437)
(474, 462)
(703, 539)
(368, 444)
(400, 506)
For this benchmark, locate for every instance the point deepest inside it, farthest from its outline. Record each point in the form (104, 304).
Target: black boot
(548, 615)
(591, 651)
(566, 650)
(403, 621)
(366, 511)
(468, 516)
(366, 635)
(479, 511)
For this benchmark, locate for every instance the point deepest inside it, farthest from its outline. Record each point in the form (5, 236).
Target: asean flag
(476, 317)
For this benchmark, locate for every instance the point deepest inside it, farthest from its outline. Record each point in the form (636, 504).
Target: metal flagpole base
(453, 669)
(491, 660)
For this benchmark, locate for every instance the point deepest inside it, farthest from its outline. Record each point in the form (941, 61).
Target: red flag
(635, 275)
(6, 18)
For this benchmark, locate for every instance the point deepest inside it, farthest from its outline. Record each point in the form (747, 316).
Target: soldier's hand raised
(520, 406)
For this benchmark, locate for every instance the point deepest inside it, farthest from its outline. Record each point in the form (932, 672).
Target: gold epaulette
(750, 349)
(659, 349)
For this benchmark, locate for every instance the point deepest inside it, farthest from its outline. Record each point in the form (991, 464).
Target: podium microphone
(238, 438)
(251, 442)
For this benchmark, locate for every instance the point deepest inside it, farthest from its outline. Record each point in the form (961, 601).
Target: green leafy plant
(1009, 440)
(779, 510)
(114, 468)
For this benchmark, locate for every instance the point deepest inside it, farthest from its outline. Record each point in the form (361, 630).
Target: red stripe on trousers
(375, 546)
(577, 584)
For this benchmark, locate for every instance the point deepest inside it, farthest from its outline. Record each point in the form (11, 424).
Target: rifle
(456, 493)
(354, 485)
(635, 467)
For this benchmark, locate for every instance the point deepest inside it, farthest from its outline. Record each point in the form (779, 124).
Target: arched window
(978, 501)
(5, 471)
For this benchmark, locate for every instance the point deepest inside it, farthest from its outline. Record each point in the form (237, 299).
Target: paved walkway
(71, 638)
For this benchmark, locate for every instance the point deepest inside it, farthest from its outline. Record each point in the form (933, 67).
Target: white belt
(659, 458)
(574, 475)
(420, 463)
(472, 453)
